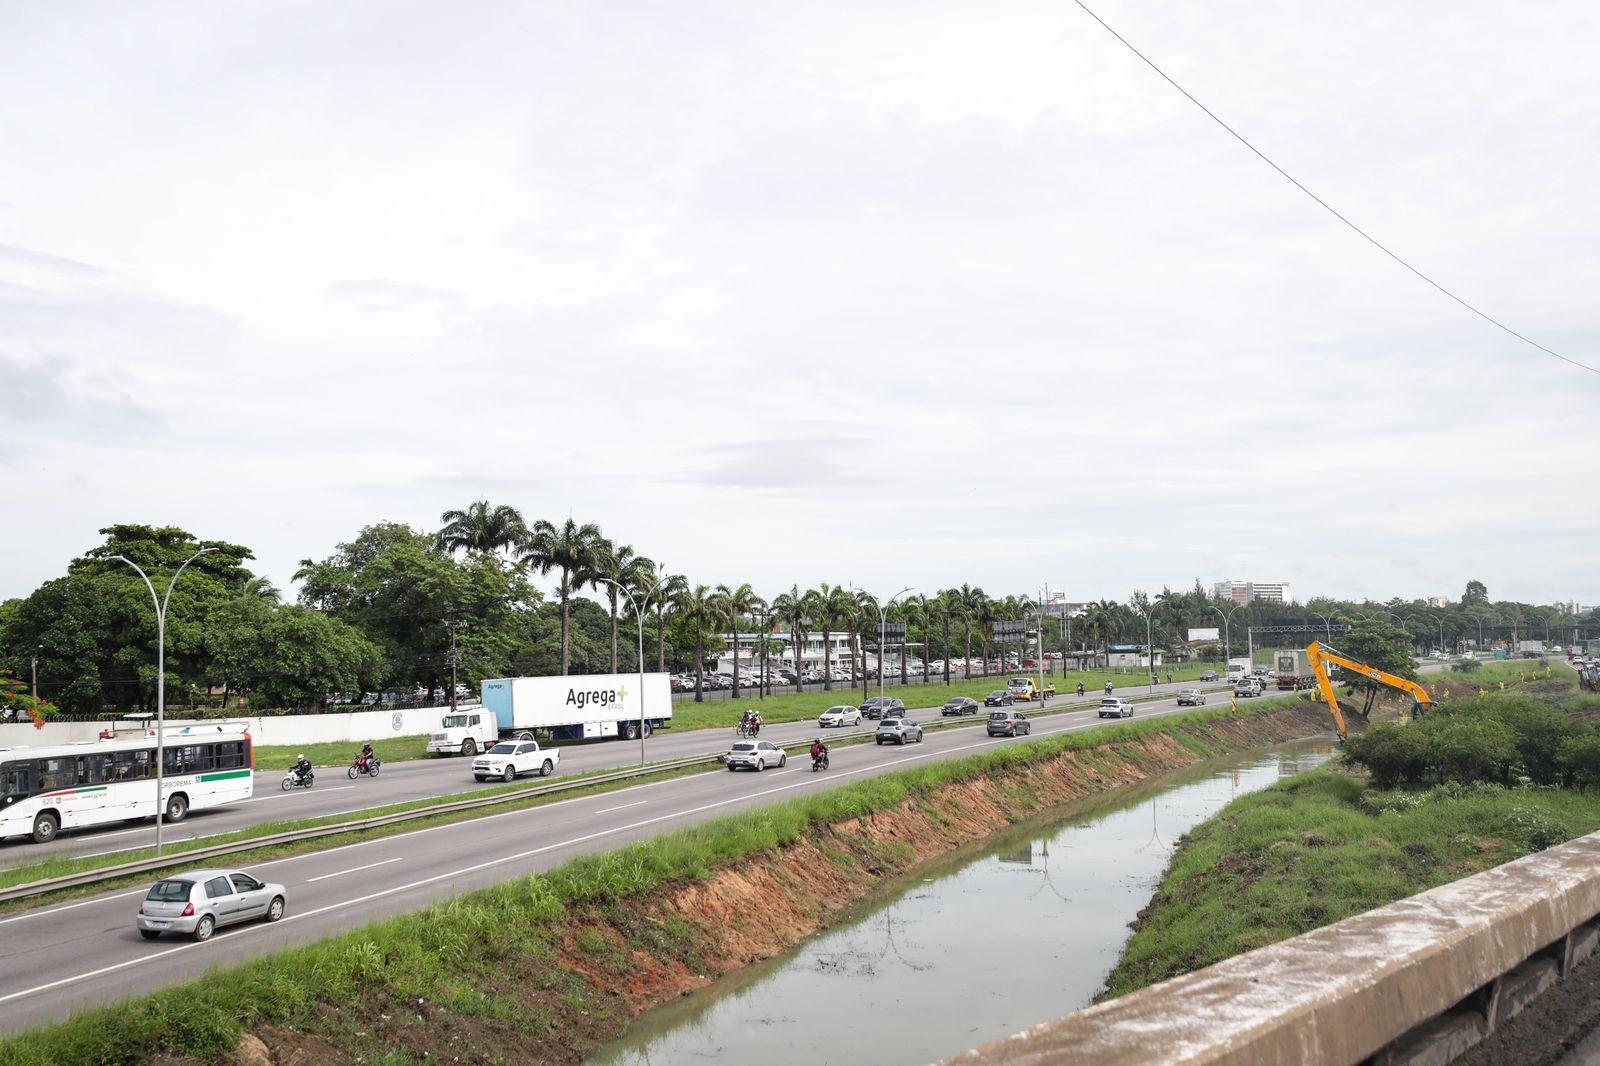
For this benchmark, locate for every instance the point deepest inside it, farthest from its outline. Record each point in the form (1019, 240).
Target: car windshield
(840, 710)
(503, 749)
(169, 891)
(744, 747)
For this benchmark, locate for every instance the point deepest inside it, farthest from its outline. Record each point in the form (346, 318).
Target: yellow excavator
(1320, 656)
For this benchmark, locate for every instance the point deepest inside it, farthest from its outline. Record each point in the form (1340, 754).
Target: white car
(840, 716)
(512, 758)
(756, 754)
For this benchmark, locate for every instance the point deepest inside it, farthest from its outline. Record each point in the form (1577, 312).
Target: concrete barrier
(354, 726)
(1417, 981)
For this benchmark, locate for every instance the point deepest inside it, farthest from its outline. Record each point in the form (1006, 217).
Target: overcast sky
(874, 293)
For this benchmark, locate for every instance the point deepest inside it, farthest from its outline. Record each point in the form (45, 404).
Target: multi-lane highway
(88, 952)
(400, 782)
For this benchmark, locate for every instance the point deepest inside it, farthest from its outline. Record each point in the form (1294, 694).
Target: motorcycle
(370, 769)
(747, 730)
(819, 762)
(292, 780)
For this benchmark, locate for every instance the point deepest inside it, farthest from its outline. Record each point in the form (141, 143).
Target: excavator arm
(1320, 656)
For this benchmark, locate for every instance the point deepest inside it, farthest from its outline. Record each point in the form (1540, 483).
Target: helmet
(302, 755)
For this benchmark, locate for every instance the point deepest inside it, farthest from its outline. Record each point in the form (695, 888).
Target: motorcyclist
(365, 756)
(755, 722)
(302, 767)
(819, 752)
(1080, 688)
(1108, 688)
(745, 722)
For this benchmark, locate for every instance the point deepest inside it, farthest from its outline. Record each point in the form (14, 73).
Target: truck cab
(465, 731)
(1022, 688)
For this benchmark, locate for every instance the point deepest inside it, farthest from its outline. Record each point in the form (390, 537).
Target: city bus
(46, 789)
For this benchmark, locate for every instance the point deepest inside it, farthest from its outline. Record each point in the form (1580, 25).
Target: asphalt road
(400, 782)
(88, 952)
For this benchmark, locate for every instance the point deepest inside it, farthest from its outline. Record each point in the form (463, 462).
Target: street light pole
(1326, 625)
(638, 614)
(1227, 638)
(36, 672)
(161, 674)
(453, 625)
(883, 620)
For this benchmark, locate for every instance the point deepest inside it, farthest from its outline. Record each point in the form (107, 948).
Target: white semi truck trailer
(576, 707)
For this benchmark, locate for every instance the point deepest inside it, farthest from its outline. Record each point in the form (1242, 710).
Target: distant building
(1438, 601)
(1243, 592)
(1131, 655)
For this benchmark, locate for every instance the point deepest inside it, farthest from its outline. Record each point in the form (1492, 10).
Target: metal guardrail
(128, 869)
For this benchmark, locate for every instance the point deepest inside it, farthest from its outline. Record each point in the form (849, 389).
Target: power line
(1325, 205)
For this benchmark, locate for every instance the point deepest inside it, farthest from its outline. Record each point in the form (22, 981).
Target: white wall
(291, 729)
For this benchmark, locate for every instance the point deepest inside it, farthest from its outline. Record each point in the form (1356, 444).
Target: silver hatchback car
(198, 903)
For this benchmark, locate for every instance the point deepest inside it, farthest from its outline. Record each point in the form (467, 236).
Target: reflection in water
(976, 950)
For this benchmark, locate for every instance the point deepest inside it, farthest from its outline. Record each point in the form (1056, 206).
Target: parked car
(1008, 724)
(1210, 675)
(199, 903)
(999, 698)
(959, 706)
(882, 707)
(1191, 697)
(899, 729)
(840, 716)
(511, 759)
(1116, 707)
(756, 754)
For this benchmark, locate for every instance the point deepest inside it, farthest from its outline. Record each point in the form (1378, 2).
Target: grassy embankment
(724, 714)
(545, 966)
(1329, 844)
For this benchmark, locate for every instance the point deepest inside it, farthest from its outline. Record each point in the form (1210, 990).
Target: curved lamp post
(161, 674)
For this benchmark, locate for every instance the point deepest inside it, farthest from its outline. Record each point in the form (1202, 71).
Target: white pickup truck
(510, 759)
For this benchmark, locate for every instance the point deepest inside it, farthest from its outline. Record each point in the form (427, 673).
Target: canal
(979, 946)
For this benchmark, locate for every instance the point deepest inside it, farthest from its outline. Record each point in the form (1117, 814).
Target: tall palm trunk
(827, 659)
(613, 631)
(661, 637)
(799, 657)
(565, 619)
(944, 638)
(903, 660)
(966, 661)
(699, 667)
(736, 660)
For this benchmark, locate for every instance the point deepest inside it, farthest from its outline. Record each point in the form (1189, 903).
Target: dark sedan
(998, 698)
(959, 706)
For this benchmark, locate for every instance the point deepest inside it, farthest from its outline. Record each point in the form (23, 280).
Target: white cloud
(890, 294)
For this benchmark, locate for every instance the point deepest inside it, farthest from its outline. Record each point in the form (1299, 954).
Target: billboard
(1202, 636)
(1010, 632)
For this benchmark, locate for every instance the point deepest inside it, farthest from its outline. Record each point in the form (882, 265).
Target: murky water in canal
(977, 948)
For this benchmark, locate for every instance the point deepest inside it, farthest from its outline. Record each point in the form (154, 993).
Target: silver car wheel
(275, 909)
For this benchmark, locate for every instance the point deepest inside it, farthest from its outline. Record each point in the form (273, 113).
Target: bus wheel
(177, 807)
(45, 827)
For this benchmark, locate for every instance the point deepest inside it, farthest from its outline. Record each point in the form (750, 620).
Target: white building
(781, 653)
(1243, 592)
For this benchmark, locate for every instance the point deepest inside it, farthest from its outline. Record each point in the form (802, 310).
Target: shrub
(1580, 759)
(1393, 754)
(1466, 666)
(1471, 748)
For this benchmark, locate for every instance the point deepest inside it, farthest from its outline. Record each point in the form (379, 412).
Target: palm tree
(576, 551)
(260, 588)
(984, 615)
(943, 607)
(861, 606)
(481, 528)
(974, 607)
(831, 607)
(700, 610)
(628, 569)
(791, 609)
(664, 589)
(907, 609)
(737, 604)
(1105, 618)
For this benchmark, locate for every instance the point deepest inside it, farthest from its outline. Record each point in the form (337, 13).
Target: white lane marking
(624, 807)
(287, 795)
(356, 869)
(70, 906)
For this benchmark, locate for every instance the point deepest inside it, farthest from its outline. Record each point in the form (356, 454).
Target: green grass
(797, 707)
(446, 953)
(339, 753)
